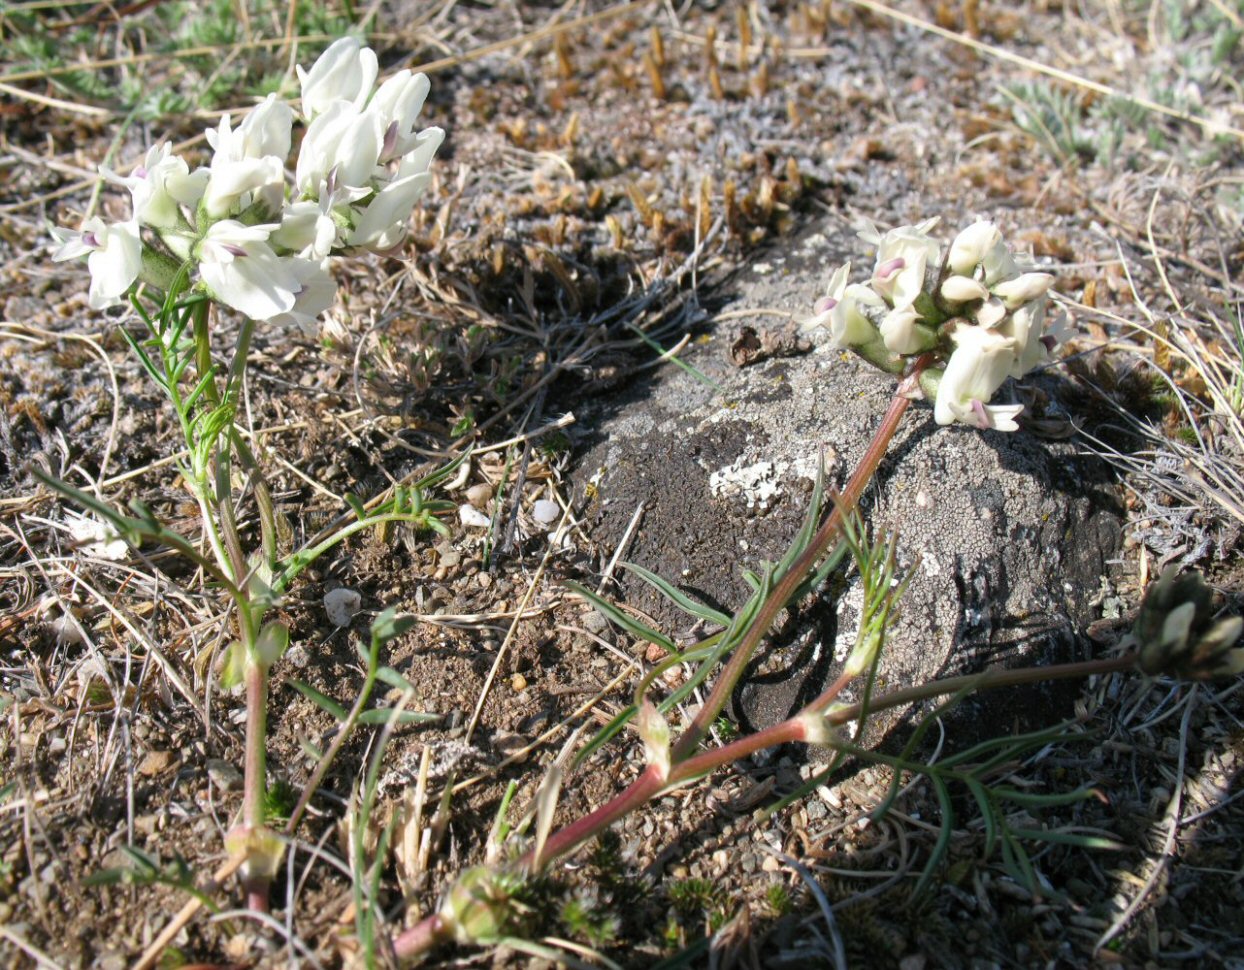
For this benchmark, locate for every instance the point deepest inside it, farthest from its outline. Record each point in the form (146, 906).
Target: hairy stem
(255, 774)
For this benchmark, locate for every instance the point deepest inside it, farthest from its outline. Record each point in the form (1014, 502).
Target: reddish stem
(785, 588)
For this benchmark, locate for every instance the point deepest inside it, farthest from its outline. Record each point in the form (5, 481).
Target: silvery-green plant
(954, 323)
(237, 233)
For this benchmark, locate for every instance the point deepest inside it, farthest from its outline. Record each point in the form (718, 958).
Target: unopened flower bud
(815, 728)
(655, 732)
(1017, 292)
(477, 908)
(963, 289)
(262, 847)
(271, 643)
(903, 333)
(1175, 632)
(970, 246)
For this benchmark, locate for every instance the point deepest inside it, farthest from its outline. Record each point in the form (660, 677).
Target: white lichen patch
(758, 483)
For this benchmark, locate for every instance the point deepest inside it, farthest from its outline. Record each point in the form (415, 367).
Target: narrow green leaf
(320, 700)
(144, 360)
(391, 677)
(1034, 800)
(624, 620)
(604, 734)
(988, 813)
(677, 596)
(1061, 837)
(429, 482)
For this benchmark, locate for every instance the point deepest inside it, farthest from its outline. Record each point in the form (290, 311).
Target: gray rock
(1008, 535)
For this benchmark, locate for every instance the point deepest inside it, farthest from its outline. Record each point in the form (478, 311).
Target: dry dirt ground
(591, 149)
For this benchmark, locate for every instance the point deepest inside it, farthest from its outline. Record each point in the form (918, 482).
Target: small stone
(449, 556)
(518, 683)
(479, 495)
(224, 775)
(507, 743)
(546, 511)
(341, 604)
(155, 763)
(473, 518)
(771, 864)
(595, 622)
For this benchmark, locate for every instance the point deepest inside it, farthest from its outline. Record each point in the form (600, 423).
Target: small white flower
(266, 130)
(899, 333)
(997, 264)
(114, 256)
(398, 103)
(237, 184)
(1034, 340)
(242, 271)
(317, 291)
(382, 223)
(159, 186)
(970, 246)
(981, 361)
(344, 72)
(848, 326)
(341, 147)
(990, 313)
(903, 255)
(824, 308)
(963, 289)
(1023, 288)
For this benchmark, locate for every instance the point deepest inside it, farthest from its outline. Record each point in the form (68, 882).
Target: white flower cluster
(981, 318)
(258, 243)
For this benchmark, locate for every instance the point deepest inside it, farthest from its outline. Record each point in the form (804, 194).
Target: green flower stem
(197, 479)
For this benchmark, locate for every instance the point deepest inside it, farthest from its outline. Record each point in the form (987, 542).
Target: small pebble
(478, 495)
(518, 683)
(473, 518)
(341, 604)
(223, 774)
(545, 511)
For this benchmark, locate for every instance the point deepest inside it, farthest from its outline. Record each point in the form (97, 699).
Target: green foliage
(777, 899)
(207, 56)
(279, 800)
(1007, 813)
(145, 869)
(1053, 117)
(583, 918)
(693, 897)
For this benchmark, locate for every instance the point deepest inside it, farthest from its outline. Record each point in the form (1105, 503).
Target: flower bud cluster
(969, 307)
(1177, 633)
(252, 240)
